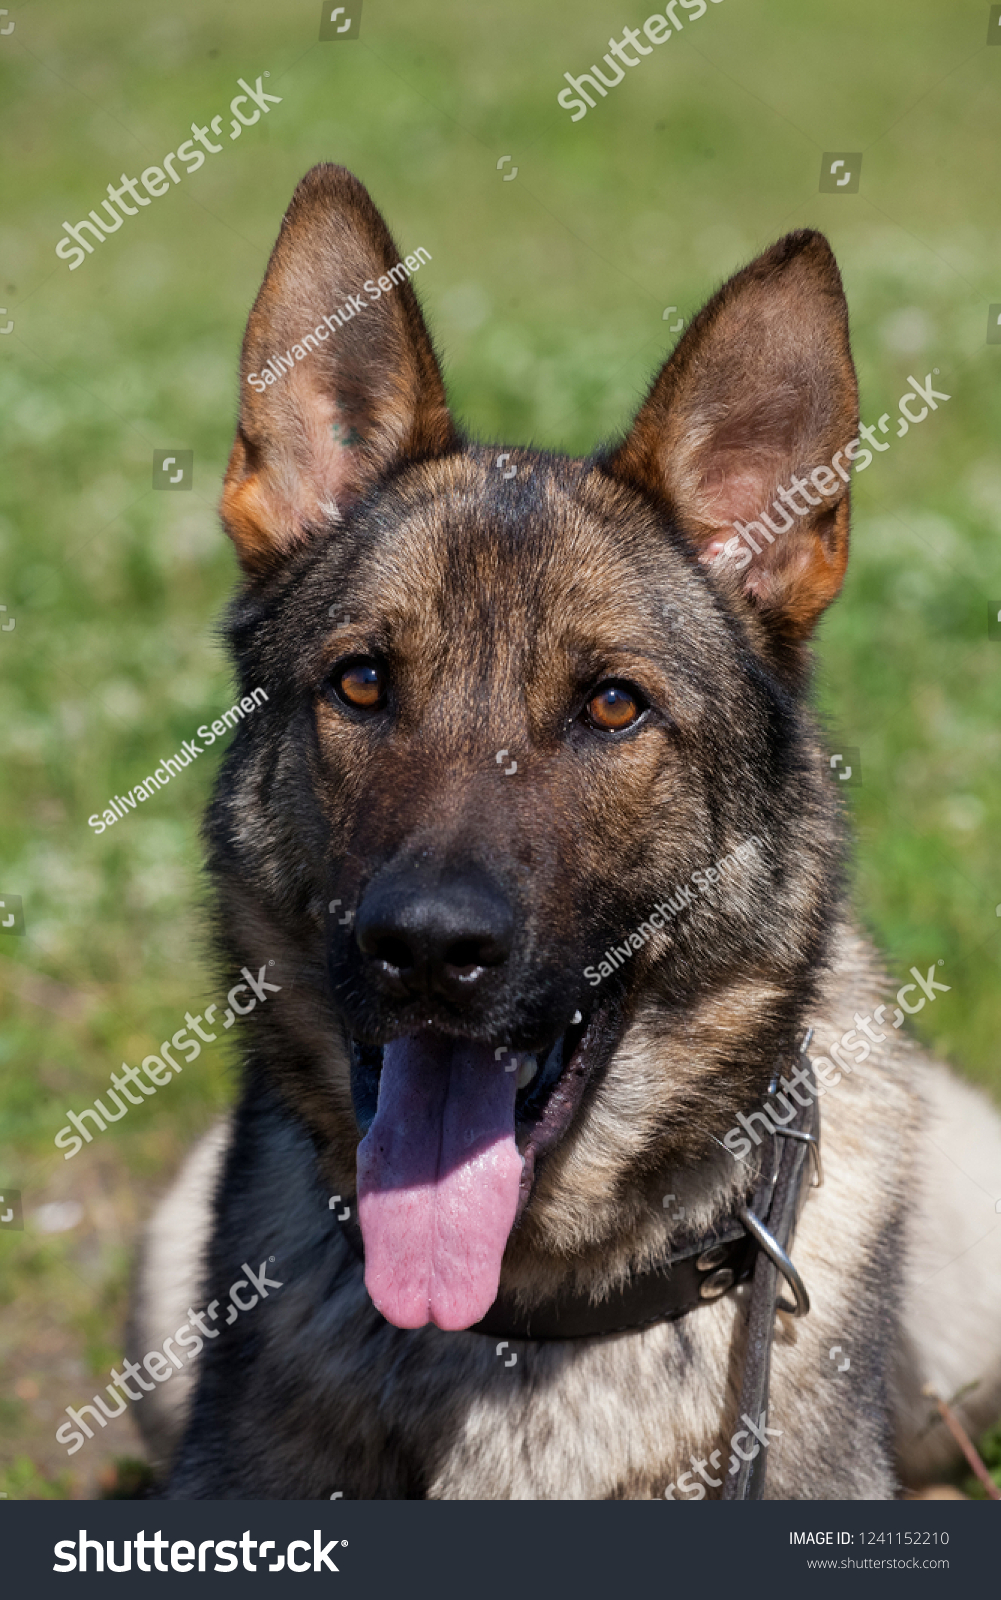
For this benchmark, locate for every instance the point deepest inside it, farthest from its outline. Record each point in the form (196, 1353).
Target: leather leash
(787, 1196)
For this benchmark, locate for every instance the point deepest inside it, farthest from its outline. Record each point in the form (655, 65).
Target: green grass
(546, 294)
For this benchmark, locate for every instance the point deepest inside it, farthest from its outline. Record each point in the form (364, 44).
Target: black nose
(441, 938)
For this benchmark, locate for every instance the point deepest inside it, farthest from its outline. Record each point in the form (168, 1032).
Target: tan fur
(169, 1280)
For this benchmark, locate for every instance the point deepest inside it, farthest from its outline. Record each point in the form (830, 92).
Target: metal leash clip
(770, 1245)
(812, 1140)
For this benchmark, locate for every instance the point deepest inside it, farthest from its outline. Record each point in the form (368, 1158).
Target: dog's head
(534, 812)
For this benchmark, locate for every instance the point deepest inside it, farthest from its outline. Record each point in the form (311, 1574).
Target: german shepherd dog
(515, 701)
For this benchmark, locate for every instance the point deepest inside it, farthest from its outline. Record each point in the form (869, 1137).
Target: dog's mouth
(536, 1073)
(452, 1131)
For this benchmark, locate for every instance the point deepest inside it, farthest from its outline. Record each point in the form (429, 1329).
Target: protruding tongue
(438, 1177)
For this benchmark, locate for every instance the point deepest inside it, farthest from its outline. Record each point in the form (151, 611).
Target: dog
(518, 704)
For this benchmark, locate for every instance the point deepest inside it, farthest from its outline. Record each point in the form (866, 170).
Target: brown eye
(613, 707)
(362, 685)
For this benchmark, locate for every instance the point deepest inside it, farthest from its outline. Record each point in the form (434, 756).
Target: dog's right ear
(760, 389)
(338, 383)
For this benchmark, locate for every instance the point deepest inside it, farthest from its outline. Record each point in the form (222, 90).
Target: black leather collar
(700, 1271)
(699, 1274)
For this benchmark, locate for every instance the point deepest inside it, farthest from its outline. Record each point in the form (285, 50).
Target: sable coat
(489, 621)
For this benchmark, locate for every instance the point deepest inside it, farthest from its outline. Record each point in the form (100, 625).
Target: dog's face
(509, 716)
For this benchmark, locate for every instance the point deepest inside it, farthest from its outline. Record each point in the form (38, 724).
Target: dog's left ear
(760, 396)
(338, 381)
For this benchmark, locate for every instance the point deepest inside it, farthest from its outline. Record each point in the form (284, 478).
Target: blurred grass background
(547, 296)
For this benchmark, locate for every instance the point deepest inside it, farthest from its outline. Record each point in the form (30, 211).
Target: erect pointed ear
(752, 424)
(338, 382)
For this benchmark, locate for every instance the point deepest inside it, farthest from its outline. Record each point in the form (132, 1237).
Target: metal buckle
(812, 1140)
(770, 1245)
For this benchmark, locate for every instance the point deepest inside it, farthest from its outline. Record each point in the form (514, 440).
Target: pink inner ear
(741, 451)
(724, 498)
(334, 468)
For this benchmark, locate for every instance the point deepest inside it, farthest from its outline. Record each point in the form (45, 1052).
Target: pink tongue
(438, 1178)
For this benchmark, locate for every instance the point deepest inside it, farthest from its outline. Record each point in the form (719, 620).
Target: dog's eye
(361, 684)
(613, 707)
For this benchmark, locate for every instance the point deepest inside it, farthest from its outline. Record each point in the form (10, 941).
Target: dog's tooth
(526, 1072)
